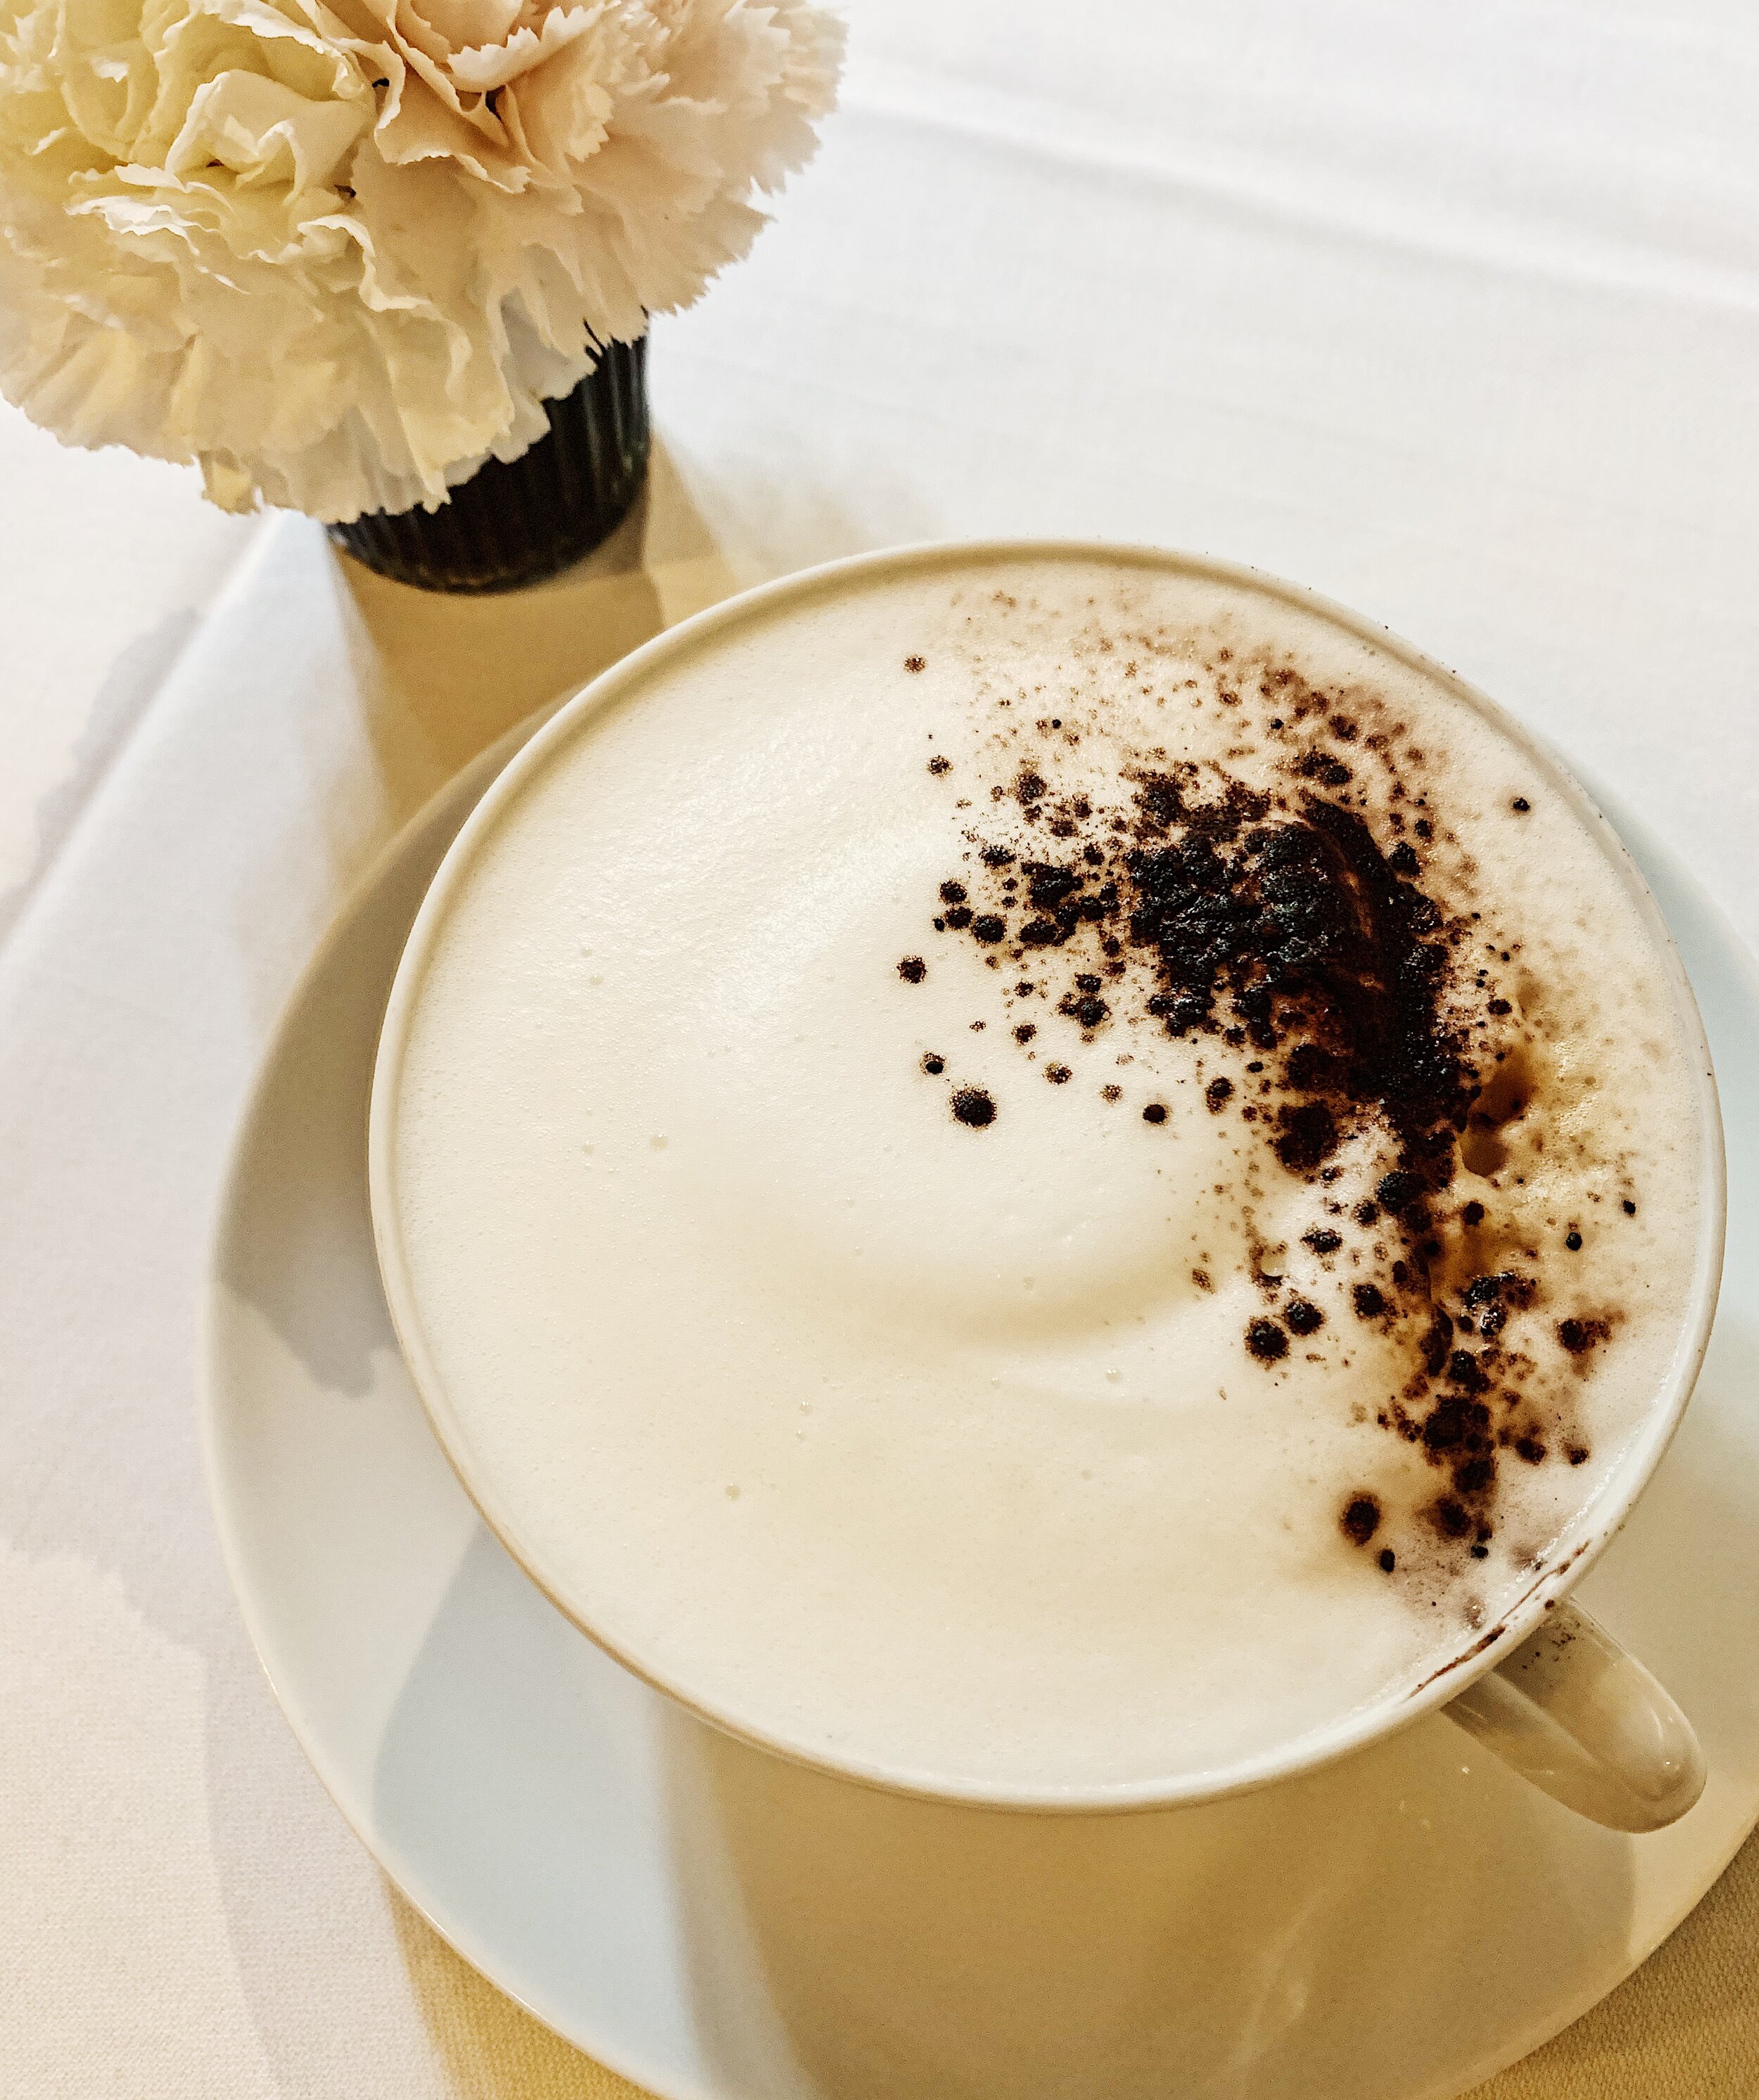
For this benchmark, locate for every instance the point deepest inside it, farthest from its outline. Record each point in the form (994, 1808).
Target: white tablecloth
(1454, 315)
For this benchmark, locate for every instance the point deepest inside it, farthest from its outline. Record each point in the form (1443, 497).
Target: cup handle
(1586, 1723)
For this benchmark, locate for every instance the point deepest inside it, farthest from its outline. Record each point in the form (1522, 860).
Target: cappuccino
(1041, 1175)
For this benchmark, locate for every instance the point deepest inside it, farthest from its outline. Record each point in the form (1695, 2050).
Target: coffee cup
(889, 1259)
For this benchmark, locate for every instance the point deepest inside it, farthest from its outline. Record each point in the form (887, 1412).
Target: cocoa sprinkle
(1280, 930)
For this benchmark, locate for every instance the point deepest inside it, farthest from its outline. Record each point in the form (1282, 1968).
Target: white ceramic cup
(1548, 1689)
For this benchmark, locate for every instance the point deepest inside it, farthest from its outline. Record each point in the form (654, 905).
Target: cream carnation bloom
(341, 253)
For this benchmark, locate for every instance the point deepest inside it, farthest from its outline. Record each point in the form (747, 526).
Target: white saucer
(718, 1925)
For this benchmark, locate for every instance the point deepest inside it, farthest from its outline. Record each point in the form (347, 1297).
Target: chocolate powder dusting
(1361, 1519)
(974, 1107)
(1289, 932)
(1267, 1341)
(1579, 1335)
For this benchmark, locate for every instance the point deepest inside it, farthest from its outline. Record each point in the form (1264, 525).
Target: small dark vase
(515, 521)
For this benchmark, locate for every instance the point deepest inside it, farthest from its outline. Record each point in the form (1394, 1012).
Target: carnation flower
(339, 252)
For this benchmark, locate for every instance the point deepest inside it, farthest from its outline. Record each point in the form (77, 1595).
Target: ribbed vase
(515, 521)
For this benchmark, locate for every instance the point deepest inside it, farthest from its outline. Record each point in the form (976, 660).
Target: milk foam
(938, 1450)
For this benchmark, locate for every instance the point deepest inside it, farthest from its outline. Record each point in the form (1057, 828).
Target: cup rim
(1583, 1541)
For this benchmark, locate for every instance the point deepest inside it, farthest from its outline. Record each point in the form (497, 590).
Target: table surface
(1454, 317)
